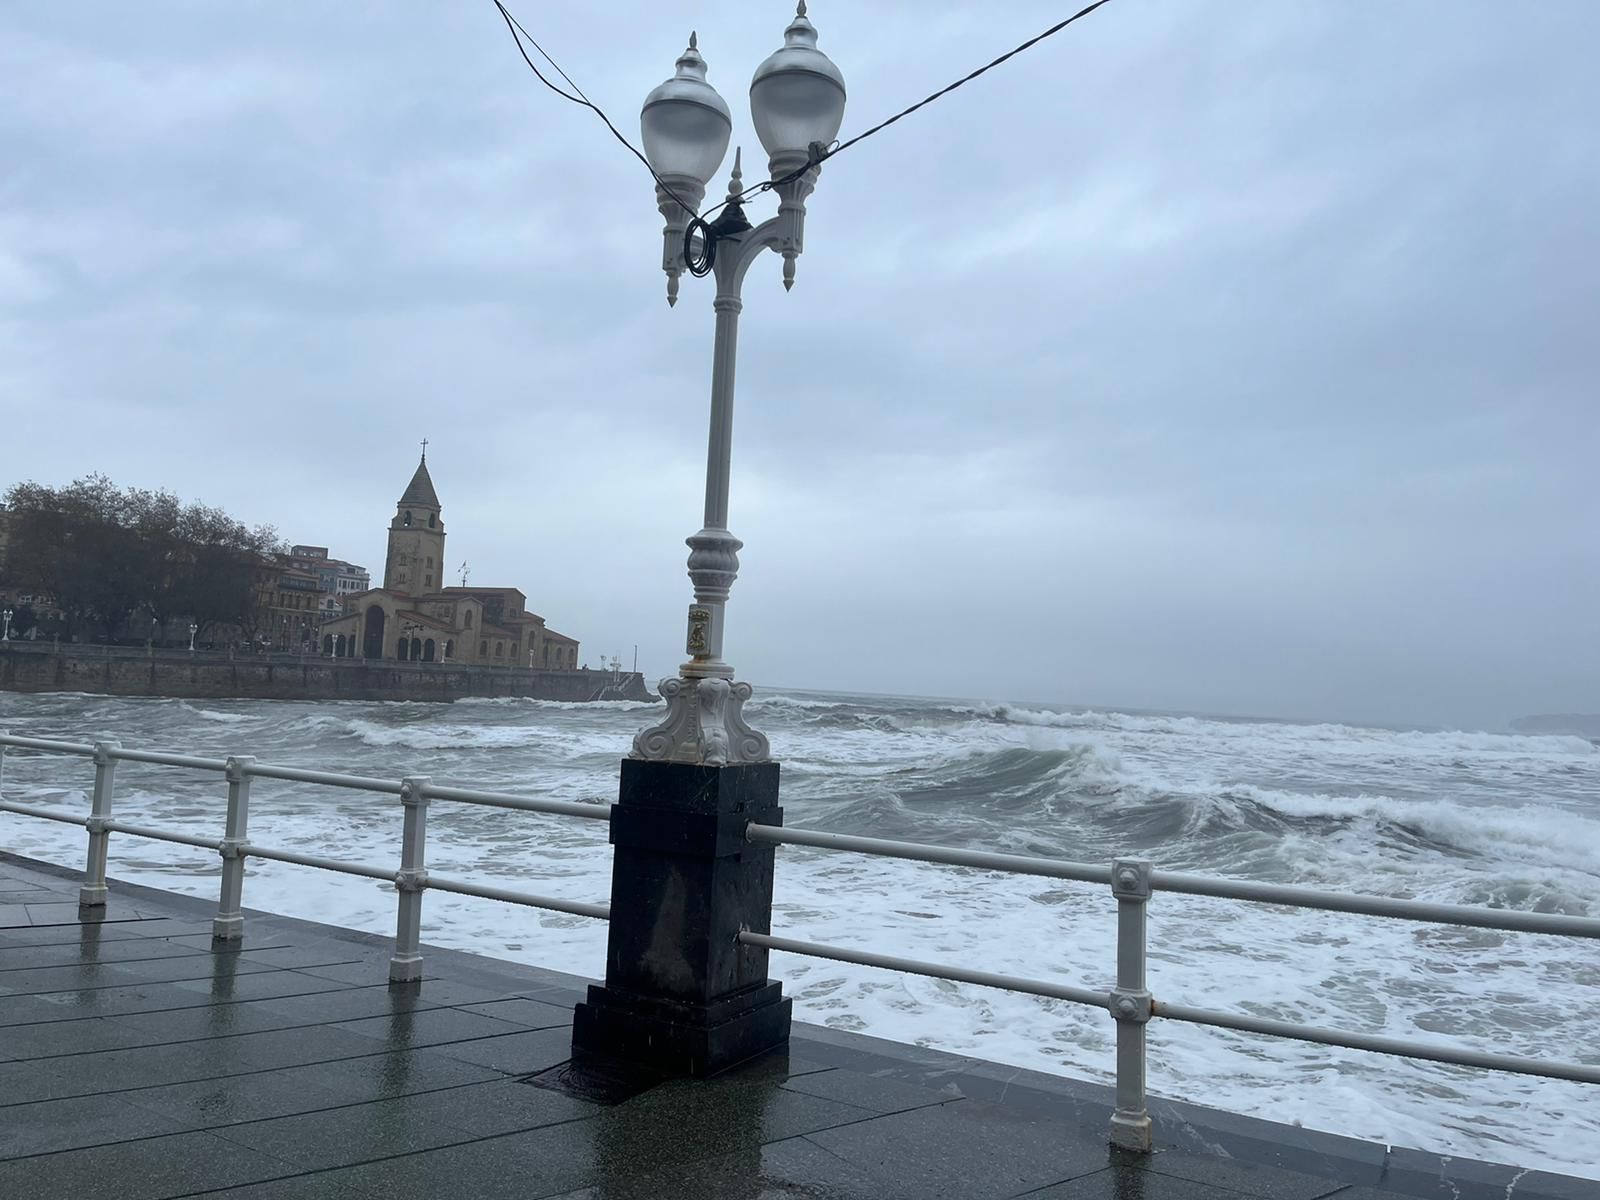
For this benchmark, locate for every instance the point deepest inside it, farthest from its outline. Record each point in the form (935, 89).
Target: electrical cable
(517, 34)
(700, 262)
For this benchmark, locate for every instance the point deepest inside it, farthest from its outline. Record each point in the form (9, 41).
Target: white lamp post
(6, 616)
(797, 102)
(193, 629)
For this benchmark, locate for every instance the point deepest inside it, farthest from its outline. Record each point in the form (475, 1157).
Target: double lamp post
(682, 995)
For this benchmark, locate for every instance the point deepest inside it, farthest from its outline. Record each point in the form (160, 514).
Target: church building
(414, 617)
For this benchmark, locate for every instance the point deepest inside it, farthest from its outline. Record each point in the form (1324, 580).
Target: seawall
(133, 671)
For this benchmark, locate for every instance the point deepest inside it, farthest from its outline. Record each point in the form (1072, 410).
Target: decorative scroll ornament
(704, 724)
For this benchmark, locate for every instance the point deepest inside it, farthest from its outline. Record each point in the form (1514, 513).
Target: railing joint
(1135, 1006)
(1131, 878)
(411, 879)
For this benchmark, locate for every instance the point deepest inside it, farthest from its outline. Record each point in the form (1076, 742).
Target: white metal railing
(1132, 881)
(410, 879)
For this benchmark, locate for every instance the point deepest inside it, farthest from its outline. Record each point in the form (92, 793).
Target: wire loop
(699, 262)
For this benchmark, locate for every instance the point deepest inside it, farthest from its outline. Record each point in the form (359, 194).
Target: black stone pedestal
(682, 996)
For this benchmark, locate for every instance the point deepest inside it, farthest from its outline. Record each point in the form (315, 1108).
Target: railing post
(93, 892)
(228, 925)
(1130, 1003)
(409, 881)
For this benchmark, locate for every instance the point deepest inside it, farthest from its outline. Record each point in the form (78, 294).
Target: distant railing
(410, 879)
(1132, 882)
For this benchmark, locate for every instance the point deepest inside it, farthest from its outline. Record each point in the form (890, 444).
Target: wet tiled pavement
(137, 1063)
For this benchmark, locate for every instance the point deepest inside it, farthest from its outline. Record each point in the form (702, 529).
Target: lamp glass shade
(685, 124)
(797, 96)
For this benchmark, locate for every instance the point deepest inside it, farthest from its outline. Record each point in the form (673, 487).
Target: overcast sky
(1237, 357)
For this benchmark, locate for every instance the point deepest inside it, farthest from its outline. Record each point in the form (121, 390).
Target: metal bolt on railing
(228, 924)
(93, 892)
(410, 880)
(1129, 1002)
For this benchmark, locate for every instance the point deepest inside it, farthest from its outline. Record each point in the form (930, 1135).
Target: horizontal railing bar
(1401, 1047)
(331, 778)
(49, 744)
(326, 864)
(987, 860)
(865, 958)
(1377, 906)
(1508, 920)
(162, 835)
(162, 758)
(562, 808)
(48, 814)
(577, 908)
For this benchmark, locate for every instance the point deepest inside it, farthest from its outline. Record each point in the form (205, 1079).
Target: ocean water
(1471, 818)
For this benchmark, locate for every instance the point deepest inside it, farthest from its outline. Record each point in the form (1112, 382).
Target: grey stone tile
(199, 1021)
(518, 1166)
(514, 1053)
(313, 1186)
(428, 1027)
(209, 1103)
(176, 1165)
(789, 1170)
(1112, 1184)
(345, 1136)
(100, 975)
(258, 986)
(147, 1066)
(341, 1005)
(506, 1106)
(534, 1014)
(70, 1037)
(1234, 1175)
(686, 1120)
(61, 954)
(966, 1149)
(868, 1091)
(78, 1121)
(56, 912)
(381, 1076)
(14, 916)
(295, 1047)
(28, 1082)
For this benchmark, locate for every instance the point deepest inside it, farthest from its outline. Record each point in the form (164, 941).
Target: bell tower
(415, 561)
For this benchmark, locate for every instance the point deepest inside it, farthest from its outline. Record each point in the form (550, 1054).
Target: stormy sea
(1468, 818)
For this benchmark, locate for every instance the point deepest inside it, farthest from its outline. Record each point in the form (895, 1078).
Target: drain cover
(598, 1080)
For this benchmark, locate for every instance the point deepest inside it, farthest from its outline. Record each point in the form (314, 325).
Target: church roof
(419, 491)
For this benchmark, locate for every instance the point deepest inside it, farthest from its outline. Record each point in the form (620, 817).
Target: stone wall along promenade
(132, 671)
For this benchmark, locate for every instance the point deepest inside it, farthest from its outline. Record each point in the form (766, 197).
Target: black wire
(818, 153)
(816, 159)
(515, 30)
(1033, 41)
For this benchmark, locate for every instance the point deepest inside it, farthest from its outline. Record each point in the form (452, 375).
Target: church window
(499, 649)
(427, 581)
(468, 622)
(430, 560)
(432, 520)
(483, 648)
(449, 648)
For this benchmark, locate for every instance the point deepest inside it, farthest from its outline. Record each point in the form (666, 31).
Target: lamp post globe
(685, 126)
(796, 98)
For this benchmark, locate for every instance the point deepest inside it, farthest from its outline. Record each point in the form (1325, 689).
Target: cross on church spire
(424, 449)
